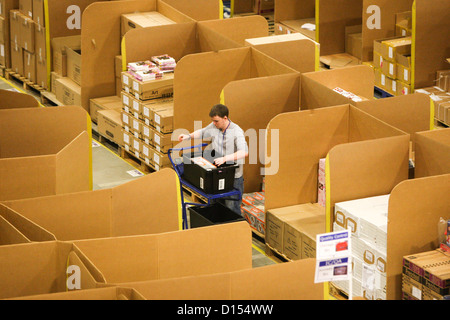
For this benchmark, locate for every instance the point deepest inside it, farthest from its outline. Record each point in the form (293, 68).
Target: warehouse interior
(345, 109)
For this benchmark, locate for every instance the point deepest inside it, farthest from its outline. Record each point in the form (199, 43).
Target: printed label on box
(221, 184)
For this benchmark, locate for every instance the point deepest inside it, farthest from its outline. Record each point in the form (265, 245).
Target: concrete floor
(110, 170)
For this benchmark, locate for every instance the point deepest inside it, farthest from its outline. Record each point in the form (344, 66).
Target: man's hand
(182, 137)
(219, 161)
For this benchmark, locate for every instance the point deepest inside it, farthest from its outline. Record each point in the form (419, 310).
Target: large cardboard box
(150, 89)
(39, 12)
(109, 125)
(27, 26)
(41, 73)
(73, 64)
(198, 251)
(59, 54)
(67, 91)
(103, 103)
(26, 7)
(16, 58)
(2, 30)
(44, 151)
(133, 208)
(15, 26)
(132, 21)
(432, 151)
(29, 66)
(43, 268)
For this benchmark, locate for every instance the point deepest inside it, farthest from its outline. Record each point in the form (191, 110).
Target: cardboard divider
(12, 100)
(110, 293)
(429, 48)
(215, 249)
(287, 49)
(101, 43)
(200, 10)
(333, 17)
(380, 16)
(290, 15)
(220, 68)
(47, 139)
(9, 234)
(284, 281)
(410, 200)
(41, 268)
(432, 152)
(307, 136)
(317, 87)
(133, 208)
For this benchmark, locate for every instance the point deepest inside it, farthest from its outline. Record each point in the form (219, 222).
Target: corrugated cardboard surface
(432, 152)
(12, 100)
(219, 248)
(130, 209)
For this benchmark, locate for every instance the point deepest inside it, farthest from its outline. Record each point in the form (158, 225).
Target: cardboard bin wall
(55, 140)
(11, 100)
(284, 281)
(432, 152)
(214, 249)
(133, 208)
(307, 136)
(40, 268)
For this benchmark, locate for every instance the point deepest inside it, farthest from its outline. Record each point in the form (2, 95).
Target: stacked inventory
(367, 220)
(147, 112)
(426, 275)
(392, 64)
(253, 210)
(28, 41)
(441, 101)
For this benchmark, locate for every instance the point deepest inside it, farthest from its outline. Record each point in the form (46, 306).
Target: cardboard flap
(228, 248)
(288, 51)
(432, 153)
(410, 113)
(11, 100)
(39, 131)
(200, 10)
(100, 44)
(150, 204)
(365, 169)
(30, 230)
(293, 9)
(334, 16)
(422, 204)
(27, 177)
(110, 293)
(304, 138)
(285, 281)
(33, 268)
(73, 165)
(9, 234)
(239, 28)
(272, 96)
(430, 40)
(176, 40)
(89, 218)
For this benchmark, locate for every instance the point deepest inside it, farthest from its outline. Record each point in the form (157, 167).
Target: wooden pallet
(138, 163)
(275, 254)
(27, 85)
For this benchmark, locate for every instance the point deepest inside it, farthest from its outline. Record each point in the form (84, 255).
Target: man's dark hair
(219, 110)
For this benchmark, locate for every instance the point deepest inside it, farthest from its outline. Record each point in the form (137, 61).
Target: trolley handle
(187, 148)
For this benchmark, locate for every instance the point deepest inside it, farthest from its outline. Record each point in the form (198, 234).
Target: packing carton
(100, 213)
(2, 30)
(26, 8)
(43, 268)
(15, 26)
(228, 247)
(431, 151)
(110, 125)
(103, 103)
(403, 24)
(45, 151)
(67, 91)
(393, 46)
(16, 58)
(73, 64)
(403, 65)
(29, 66)
(39, 12)
(130, 21)
(353, 41)
(150, 89)
(27, 26)
(59, 54)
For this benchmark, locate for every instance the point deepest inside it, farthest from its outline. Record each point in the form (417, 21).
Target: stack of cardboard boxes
(253, 210)
(367, 220)
(291, 231)
(28, 41)
(426, 275)
(441, 102)
(147, 118)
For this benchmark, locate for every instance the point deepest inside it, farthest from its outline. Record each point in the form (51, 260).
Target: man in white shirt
(228, 140)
